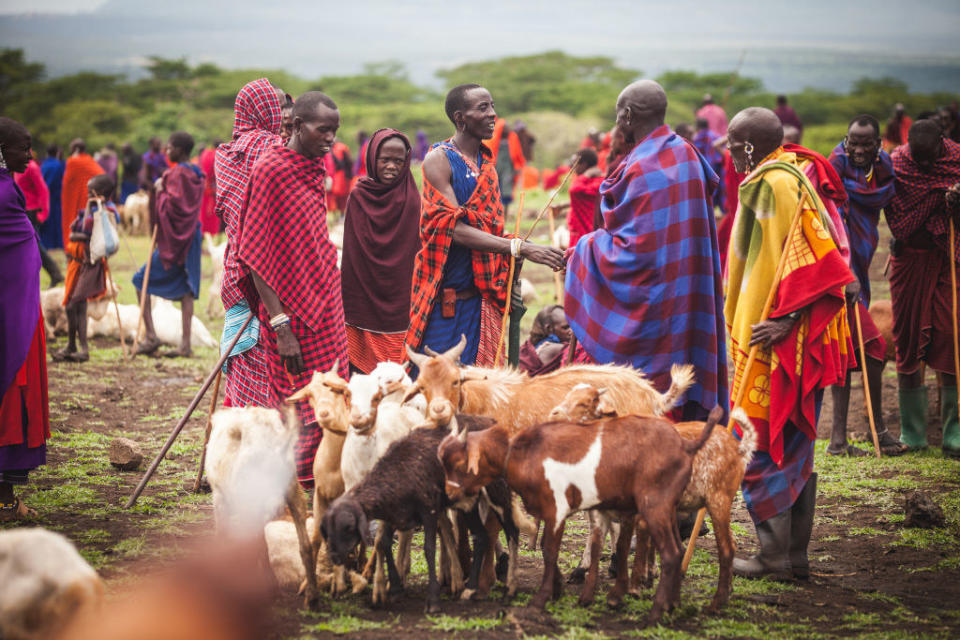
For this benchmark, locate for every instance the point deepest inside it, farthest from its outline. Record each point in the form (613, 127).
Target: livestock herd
(450, 452)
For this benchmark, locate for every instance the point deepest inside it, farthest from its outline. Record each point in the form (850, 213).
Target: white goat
(251, 468)
(216, 251)
(43, 583)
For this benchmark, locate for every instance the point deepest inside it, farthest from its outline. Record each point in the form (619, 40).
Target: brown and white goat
(718, 470)
(633, 465)
(517, 401)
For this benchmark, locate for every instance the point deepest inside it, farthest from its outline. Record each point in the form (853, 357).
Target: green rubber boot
(913, 417)
(951, 423)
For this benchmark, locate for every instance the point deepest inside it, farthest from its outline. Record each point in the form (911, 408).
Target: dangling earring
(845, 150)
(879, 151)
(748, 149)
(3, 163)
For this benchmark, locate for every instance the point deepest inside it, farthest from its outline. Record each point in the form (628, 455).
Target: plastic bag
(104, 240)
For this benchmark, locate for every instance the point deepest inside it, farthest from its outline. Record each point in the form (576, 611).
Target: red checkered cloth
(482, 211)
(919, 201)
(282, 236)
(256, 128)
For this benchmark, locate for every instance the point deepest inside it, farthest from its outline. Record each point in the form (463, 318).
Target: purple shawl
(20, 286)
(861, 212)
(178, 212)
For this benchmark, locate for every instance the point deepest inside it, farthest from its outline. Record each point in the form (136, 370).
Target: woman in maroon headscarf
(24, 412)
(380, 241)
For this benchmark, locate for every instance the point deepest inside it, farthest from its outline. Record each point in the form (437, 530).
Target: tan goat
(517, 401)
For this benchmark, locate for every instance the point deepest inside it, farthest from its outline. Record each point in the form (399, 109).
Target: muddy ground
(872, 577)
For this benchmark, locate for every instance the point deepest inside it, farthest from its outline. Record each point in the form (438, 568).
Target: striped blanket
(646, 289)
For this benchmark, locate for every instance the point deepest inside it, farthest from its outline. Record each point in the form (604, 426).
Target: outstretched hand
(549, 256)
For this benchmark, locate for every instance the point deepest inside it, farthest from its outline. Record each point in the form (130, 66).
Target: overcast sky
(827, 43)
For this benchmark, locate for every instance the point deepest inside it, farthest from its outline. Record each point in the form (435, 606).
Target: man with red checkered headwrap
(927, 182)
(283, 244)
(258, 115)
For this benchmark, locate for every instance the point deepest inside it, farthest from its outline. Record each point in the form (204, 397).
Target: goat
(166, 319)
(250, 467)
(518, 401)
(135, 212)
(405, 489)
(283, 553)
(718, 469)
(44, 583)
(377, 420)
(881, 311)
(329, 398)
(634, 465)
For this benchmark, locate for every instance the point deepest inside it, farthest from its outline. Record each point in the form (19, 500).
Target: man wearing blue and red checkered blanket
(646, 289)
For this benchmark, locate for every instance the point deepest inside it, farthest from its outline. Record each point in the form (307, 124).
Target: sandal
(177, 353)
(61, 355)
(850, 451)
(77, 356)
(890, 446)
(16, 511)
(147, 348)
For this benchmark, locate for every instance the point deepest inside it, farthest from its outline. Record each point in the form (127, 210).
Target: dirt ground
(871, 576)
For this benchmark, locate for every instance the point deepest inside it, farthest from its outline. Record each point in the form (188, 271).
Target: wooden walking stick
(547, 206)
(953, 296)
(143, 291)
(186, 416)
(866, 381)
(116, 307)
(557, 282)
(506, 308)
(206, 435)
(751, 358)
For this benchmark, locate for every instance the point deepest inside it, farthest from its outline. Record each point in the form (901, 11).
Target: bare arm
(436, 171)
(287, 345)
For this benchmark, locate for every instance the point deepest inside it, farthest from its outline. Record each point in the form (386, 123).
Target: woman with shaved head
(804, 345)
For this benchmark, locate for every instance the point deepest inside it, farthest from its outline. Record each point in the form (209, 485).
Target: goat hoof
(432, 607)
(577, 576)
(468, 594)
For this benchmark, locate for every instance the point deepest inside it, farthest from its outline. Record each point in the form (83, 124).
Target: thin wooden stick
(206, 435)
(143, 291)
(186, 416)
(513, 264)
(572, 350)
(557, 282)
(549, 202)
(866, 381)
(953, 295)
(116, 306)
(751, 358)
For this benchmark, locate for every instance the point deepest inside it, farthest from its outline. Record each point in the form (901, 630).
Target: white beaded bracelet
(515, 244)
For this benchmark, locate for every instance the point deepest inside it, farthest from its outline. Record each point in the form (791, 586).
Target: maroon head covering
(381, 238)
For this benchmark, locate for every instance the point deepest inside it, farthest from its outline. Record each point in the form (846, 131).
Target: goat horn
(454, 352)
(336, 366)
(417, 358)
(430, 352)
(462, 436)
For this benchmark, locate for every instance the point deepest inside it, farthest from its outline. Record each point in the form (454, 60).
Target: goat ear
(302, 394)
(416, 358)
(396, 385)
(364, 526)
(410, 393)
(473, 457)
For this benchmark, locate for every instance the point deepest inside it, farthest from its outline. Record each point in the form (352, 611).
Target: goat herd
(448, 452)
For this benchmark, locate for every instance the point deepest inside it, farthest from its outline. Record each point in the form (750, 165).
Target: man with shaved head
(646, 289)
(927, 182)
(804, 345)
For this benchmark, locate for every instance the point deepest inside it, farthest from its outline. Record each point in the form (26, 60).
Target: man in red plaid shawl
(927, 171)
(258, 114)
(460, 273)
(283, 243)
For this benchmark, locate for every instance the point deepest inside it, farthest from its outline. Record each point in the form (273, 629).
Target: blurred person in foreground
(867, 174)
(927, 199)
(804, 344)
(24, 408)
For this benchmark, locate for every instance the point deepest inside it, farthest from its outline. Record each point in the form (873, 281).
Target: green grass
(339, 625)
(454, 623)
